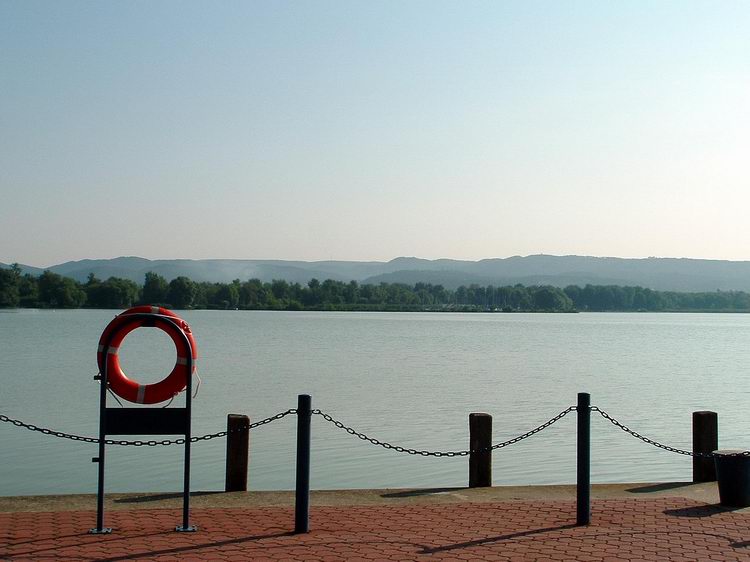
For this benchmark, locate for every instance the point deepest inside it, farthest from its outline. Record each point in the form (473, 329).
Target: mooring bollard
(705, 440)
(733, 475)
(238, 447)
(480, 443)
(302, 494)
(583, 483)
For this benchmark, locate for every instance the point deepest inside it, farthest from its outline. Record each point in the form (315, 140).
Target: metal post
(480, 439)
(100, 529)
(186, 527)
(705, 440)
(302, 496)
(583, 484)
(238, 444)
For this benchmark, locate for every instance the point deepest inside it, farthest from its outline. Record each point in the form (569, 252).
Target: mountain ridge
(677, 274)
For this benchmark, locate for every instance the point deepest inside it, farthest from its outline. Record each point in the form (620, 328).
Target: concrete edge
(705, 493)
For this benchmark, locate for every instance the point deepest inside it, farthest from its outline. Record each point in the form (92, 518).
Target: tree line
(50, 290)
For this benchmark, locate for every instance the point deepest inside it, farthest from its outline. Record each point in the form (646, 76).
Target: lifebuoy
(121, 326)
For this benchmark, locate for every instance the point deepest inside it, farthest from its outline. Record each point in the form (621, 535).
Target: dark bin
(733, 474)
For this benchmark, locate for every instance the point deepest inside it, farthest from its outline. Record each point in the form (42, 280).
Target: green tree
(155, 289)
(313, 296)
(56, 291)
(250, 294)
(182, 292)
(28, 290)
(10, 280)
(551, 298)
(227, 296)
(280, 289)
(115, 292)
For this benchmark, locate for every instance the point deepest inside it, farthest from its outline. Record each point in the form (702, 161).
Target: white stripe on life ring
(154, 310)
(141, 394)
(183, 361)
(113, 350)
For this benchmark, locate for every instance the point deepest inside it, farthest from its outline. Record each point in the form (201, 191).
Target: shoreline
(706, 492)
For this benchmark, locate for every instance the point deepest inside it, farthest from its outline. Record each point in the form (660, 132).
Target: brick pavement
(622, 529)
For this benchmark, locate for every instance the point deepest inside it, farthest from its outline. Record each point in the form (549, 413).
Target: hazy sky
(370, 130)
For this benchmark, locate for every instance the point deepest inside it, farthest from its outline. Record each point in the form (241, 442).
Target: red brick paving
(621, 530)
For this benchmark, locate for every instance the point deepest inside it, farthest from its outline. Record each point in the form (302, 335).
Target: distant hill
(676, 274)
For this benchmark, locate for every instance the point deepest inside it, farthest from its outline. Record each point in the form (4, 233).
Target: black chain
(140, 443)
(645, 439)
(409, 451)
(360, 435)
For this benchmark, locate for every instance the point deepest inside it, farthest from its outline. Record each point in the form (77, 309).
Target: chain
(243, 427)
(359, 435)
(140, 443)
(46, 431)
(645, 439)
(537, 429)
(409, 451)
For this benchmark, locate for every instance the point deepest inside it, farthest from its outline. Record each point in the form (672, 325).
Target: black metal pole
(302, 496)
(186, 527)
(100, 528)
(583, 484)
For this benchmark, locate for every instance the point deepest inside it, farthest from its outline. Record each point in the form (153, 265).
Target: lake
(407, 378)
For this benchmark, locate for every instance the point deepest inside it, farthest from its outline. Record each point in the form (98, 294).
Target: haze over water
(407, 378)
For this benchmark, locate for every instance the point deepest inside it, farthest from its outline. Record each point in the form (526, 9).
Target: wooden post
(238, 445)
(480, 439)
(705, 440)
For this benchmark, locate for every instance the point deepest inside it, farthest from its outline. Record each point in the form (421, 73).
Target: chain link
(423, 453)
(645, 439)
(359, 435)
(138, 442)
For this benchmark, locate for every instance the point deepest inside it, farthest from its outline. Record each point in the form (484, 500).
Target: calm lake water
(407, 378)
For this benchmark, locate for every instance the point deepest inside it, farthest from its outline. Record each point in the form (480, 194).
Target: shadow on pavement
(658, 487)
(195, 547)
(420, 492)
(160, 497)
(700, 510)
(499, 538)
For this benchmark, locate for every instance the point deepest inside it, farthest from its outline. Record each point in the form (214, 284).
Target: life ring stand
(138, 317)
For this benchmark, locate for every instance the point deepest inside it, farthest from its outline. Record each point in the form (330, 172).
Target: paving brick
(621, 531)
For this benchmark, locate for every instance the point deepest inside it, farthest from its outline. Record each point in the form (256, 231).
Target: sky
(360, 130)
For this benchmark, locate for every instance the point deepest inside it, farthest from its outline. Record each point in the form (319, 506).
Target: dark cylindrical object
(238, 446)
(186, 527)
(705, 440)
(583, 465)
(100, 459)
(733, 474)
(302, 495)
(480, 458)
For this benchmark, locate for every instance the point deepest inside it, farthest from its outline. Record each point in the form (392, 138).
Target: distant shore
(52, 291)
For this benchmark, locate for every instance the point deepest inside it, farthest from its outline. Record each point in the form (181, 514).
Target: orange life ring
(125, 323)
